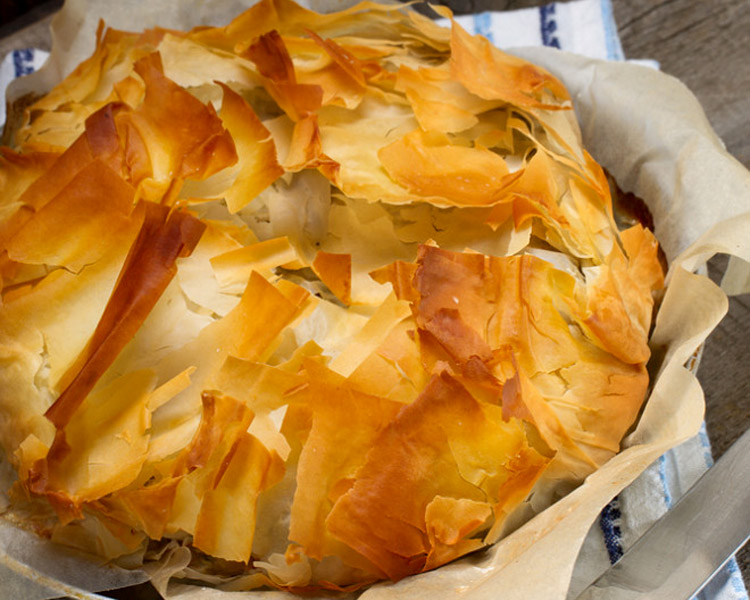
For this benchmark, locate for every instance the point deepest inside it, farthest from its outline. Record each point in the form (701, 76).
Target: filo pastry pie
(323, 299)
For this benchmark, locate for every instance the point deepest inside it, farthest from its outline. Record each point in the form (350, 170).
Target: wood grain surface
(707, 46)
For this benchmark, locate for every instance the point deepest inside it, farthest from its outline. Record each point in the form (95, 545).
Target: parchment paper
(650, 132)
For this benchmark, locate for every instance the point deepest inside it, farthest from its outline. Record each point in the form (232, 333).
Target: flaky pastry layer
(327, 299)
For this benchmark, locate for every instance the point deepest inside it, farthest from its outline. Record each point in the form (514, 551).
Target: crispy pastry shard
(445, 443)
(492, 74)
(305, 149)
(527, 322)
(164, 236)
(335, 270)
(171, 136)
(90, 467)
(226, 520)
(622, 293)
(257, 153)
(345, 425)
(271, 56)
(429, 165)
(75, 227)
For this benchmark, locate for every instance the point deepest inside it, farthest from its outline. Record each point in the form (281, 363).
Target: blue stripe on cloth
(663, 479)
(611, 37)
(726, 584)
(735, 578)
(706, 445)
(548, 25)
(483, 25)
(609, 523)
(23, 62)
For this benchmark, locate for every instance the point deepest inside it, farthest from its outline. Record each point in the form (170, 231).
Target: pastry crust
(323, 297)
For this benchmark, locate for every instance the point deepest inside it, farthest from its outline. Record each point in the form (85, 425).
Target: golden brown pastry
(324, 298)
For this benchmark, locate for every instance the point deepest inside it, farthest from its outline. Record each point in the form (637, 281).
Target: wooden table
(707, 46)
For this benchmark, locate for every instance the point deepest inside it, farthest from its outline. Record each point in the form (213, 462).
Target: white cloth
(584, 27)
(17, 63)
